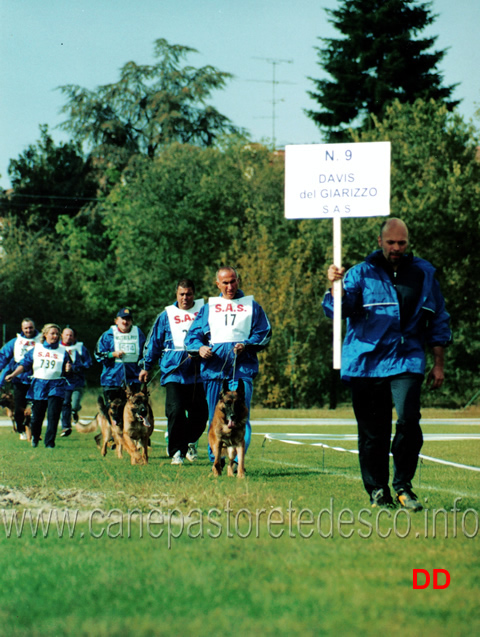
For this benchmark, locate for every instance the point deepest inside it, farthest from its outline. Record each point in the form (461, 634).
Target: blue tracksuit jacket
(41, 389)
(376, 344)
(176, 366)
(116, 374)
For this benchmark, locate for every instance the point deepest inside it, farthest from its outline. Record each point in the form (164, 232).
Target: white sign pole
(337, 294)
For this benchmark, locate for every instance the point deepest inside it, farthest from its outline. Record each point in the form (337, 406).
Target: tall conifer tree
(379, 58)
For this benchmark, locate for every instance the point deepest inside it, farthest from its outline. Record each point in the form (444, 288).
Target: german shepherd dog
(109, 421)
(8, 403)
(227, 430)
(137, 425)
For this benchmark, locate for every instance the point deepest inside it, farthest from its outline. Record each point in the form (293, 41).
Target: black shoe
(75, 416)
(408, 500)
(34, 443)
(65, 433)
(379, 498)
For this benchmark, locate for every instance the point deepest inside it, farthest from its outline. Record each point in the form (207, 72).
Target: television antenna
(274, 62)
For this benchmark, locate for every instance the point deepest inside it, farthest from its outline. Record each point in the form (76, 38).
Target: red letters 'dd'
(436, 571)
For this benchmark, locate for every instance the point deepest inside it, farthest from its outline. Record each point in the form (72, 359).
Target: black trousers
(20, 399)
(186, 410)
(53, 408)
(372, 403)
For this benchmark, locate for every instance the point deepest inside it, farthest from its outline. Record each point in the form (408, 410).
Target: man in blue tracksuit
(10, 356)
(185, 404)
(81, 361)
(228, 333)
(394, 307)
(119, 349)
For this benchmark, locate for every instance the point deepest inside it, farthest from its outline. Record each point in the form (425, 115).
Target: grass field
(294, 549)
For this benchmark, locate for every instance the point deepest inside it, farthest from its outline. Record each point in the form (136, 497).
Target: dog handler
(185, 406)
(393, 306)
(10, 356)
(49, 362)
(119, 350)
(228, 333)
(81, 361)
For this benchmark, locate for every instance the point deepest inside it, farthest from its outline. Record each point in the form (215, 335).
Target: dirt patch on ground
(36, 499)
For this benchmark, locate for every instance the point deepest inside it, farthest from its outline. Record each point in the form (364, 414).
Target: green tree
(378, 58)
(150, 106)
(28, 281)
(48, 181)
(295, 370)
(175, 216)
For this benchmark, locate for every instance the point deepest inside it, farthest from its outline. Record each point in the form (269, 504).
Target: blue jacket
(223, 362)
(375, 344)
(116, 374)
(41, 389)
(8, 364)
(176, 366)
(80, 362)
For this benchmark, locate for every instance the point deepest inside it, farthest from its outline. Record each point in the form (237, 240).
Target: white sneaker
(23, 436)
(177, 458)
(192, 452)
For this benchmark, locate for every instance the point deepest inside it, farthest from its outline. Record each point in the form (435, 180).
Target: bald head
(227, 282)
(393, 240)
(393, 222)
(226, 269)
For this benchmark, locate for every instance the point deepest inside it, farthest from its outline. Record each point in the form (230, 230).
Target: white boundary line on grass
(357, 478)
(457, 465)
(426, 436)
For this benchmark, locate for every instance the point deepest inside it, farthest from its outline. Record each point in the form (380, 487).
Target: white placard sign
(329, 180)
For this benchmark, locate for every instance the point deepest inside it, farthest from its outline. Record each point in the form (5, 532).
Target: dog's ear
(241, 388)
(102, 406)
(225, 388)
(128, 391)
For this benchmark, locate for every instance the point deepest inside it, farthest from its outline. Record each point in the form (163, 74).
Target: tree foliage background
(188, 208)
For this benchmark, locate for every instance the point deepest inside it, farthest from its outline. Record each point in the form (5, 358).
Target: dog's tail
(92, 425)
(103, 407)
(87, 429)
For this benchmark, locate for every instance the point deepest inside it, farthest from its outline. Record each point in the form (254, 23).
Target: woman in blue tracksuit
(394, 307)
(185, 404)
(228, 333)
(50, 363)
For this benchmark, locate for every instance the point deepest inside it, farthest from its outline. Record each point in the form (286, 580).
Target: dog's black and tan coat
(227, 430)
(129, 424)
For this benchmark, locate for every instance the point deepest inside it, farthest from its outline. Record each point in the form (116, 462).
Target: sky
(49, 43)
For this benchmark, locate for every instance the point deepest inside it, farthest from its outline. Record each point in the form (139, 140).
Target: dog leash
(124, 373)
(234, 367)
(226, 361)
(177, 367)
